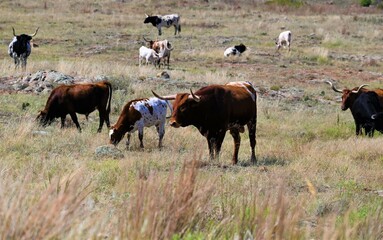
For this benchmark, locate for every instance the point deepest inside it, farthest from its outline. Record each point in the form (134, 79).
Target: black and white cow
(136, 115)
(20, 48)
(164, 21)
(235, 50)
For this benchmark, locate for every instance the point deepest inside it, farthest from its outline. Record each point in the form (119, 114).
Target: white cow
(284, 39)
(149, 55)
(138, 114)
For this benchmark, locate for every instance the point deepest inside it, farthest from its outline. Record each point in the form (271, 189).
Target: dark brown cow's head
(44, 119)
(349, 95)
(184, 108)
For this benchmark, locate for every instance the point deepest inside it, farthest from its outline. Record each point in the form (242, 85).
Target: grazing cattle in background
(149, 55)
(235, 50)
(364, 110)
(215, 109)
(164, 21)
(163, 48)
(138, 114)
(284, 39)
(20, 48)
(78, 98)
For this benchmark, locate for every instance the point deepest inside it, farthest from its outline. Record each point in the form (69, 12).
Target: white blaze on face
(111, 131)
(245, 85)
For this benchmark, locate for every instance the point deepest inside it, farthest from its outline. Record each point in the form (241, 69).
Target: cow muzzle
(174, 124)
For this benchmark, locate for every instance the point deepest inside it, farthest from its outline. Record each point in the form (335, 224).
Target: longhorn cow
(20, 48)
(215, 109)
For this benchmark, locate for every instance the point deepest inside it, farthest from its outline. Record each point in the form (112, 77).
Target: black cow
(366, 112)
(20, 48)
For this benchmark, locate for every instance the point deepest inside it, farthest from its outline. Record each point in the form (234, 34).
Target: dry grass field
(314, 179)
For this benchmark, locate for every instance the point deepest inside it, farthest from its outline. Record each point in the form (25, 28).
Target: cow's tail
(170, 107)
(109, 96)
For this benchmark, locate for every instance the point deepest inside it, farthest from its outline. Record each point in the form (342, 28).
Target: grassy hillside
(314, 179)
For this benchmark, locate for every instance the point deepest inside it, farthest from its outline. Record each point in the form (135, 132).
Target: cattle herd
(213, 110)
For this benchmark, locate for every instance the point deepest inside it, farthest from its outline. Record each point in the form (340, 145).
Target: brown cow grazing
(78, 98)
(215, 109)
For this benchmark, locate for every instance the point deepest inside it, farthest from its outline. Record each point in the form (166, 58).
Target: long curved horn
(333, 87)
(14, 34)
(168, 97)
(196, 98)
(146, 39)
(361, 86)
(35, 32)
(166, 46)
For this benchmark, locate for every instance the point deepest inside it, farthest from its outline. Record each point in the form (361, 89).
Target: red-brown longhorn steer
(215, 109)
(78, 98)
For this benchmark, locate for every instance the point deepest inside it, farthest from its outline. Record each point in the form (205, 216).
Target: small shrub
(275, 88)
(289, 3)
(365, 3)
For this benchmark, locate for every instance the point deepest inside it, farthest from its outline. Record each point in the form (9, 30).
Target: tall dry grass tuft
(27, 214)
(261, 217)
(161, 210)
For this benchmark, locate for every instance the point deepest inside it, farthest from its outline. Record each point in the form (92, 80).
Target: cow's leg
(101, 114)
(168, 61)
(74, 119)
(159, 31)
(237, 143)
(24, 63)
(141, 136)
(17, 62)
(128, 140)
(218, 142)
(357, 129)
(107, 120)
(252, 127)
(63, 121)
(161, 133)
(175, 29)
(211, 142)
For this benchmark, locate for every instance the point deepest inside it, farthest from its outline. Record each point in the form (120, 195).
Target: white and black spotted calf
(164, 21)
(138, 114)
(20, 48)
(236, 50)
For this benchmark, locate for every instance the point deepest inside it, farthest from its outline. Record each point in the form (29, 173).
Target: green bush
(291, 3)
(365, 3)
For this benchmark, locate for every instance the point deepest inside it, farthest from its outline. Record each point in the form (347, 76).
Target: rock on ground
(109, 151)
